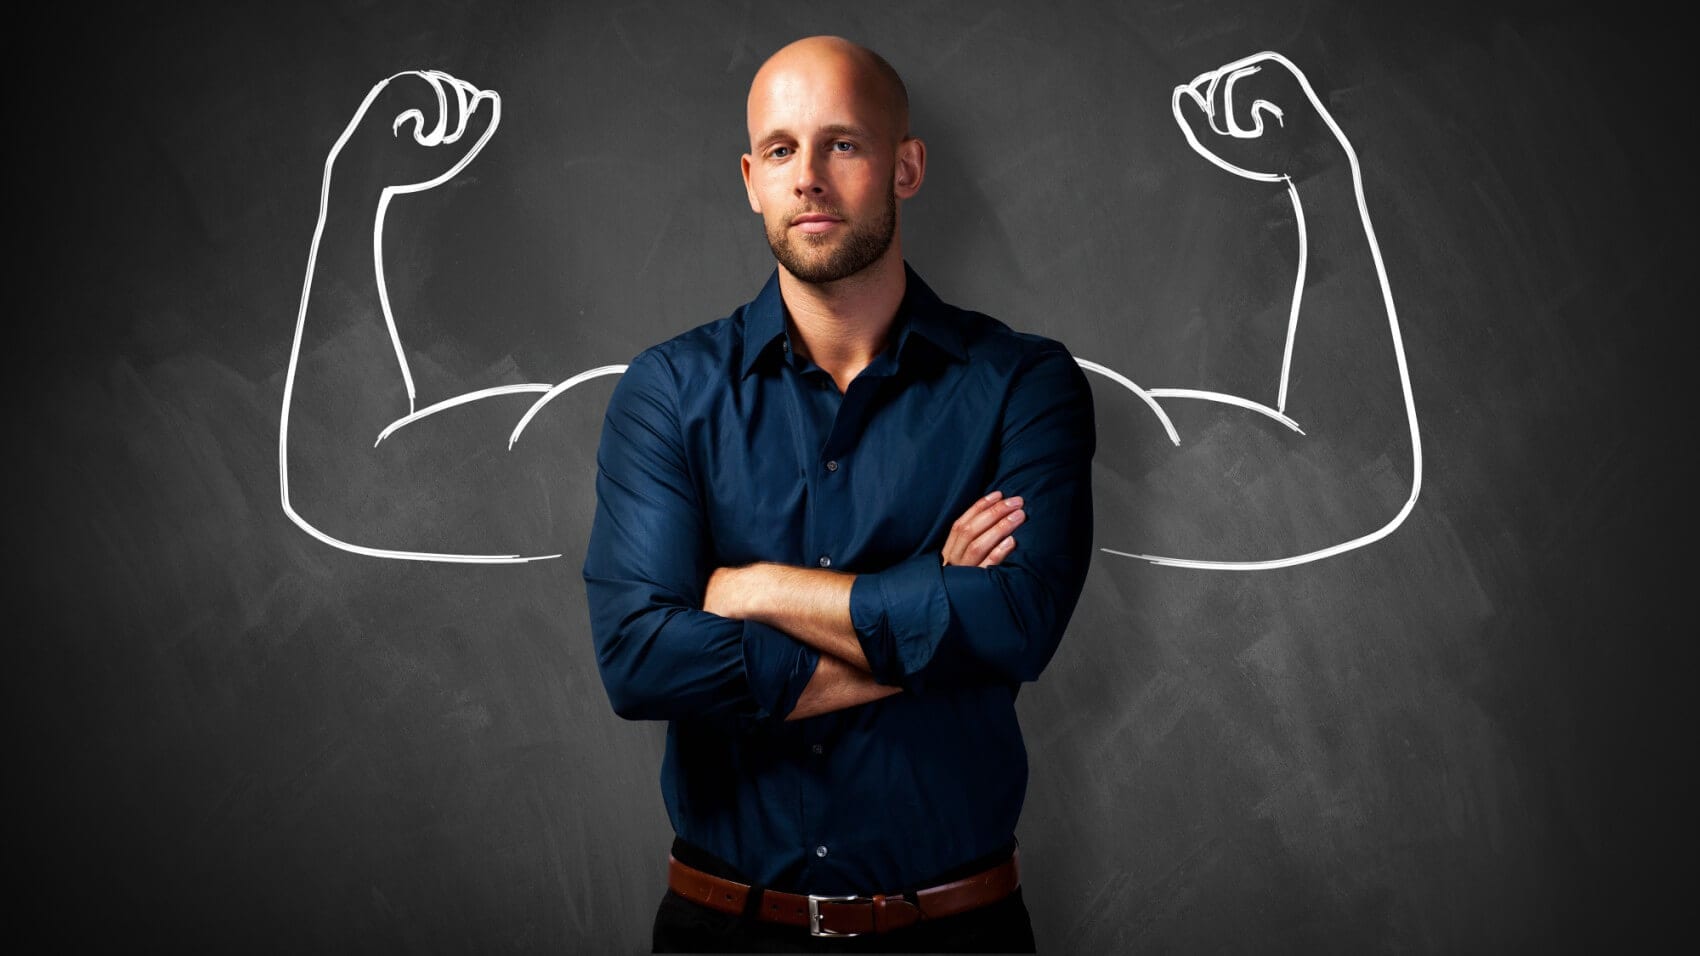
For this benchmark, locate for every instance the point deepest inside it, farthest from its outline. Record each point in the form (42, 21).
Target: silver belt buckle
(814, 913)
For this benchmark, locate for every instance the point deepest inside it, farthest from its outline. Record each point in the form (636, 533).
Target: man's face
(821, 166)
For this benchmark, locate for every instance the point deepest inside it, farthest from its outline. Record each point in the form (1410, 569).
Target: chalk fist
(417, 129)
(1258, 118)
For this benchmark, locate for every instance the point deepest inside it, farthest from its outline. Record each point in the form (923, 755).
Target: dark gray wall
(229, 736)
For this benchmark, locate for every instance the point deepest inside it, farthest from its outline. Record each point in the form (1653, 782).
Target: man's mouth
(814, 222)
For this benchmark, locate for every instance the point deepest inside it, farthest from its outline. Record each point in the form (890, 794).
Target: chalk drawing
(1212, 92)
(451, 124)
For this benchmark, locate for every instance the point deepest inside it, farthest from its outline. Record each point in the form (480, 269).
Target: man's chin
(823, 275)
(821, 247)
(818, 265)
(821, 259)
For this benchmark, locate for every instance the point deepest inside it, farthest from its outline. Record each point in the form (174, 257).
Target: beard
(812, 258)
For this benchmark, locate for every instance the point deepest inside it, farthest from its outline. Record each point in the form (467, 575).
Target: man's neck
(841, 326)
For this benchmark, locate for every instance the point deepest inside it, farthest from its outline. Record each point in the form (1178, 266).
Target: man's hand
(985, 534)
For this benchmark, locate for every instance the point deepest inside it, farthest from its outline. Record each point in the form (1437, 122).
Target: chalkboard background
(226, 735)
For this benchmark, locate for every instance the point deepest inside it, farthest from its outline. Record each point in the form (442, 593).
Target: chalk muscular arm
(813, 605)
(1347, 447)
(350, 386)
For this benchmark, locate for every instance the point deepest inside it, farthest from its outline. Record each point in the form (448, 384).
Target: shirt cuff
(777, 668)
(900, 616)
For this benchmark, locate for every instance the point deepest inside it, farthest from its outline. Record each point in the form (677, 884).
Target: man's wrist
(724, 594)
(750, 584)
(741, 593)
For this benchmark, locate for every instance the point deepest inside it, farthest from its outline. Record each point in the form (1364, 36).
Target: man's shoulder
(992, 341)
(709, 341)
(711, 345)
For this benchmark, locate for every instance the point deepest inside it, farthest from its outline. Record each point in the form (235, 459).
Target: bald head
(827, 60)
(830, 158)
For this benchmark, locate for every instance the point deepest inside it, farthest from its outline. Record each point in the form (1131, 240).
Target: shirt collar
(921, 312)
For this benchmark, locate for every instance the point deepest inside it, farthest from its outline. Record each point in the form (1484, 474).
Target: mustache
(832, 211)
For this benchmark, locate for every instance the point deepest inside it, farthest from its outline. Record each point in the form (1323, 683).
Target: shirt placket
(819, 409)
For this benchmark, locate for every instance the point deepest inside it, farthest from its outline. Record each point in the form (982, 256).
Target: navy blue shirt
(722, 447)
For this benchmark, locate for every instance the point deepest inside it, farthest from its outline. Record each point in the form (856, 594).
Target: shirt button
(832, 466)
(825, 561)
(817, 748)
(820, 851)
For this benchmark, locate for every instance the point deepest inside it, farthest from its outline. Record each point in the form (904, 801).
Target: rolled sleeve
(777, 669)
(900, 615)
(660, 655)
(920, 622)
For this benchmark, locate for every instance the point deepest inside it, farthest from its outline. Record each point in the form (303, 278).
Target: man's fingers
(975, 536)
(975, 523)
(974, 551)
(988, 540)
(1002, 550)
(980, 505)
(968, 544)
(960, 530)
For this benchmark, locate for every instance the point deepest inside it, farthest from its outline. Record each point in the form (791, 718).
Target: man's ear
(744, 164)
(911, 167)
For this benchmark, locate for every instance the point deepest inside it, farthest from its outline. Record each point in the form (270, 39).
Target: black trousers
(682, 926)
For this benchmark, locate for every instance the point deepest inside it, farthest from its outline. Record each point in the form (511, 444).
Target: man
(804, 557)
(774, 568)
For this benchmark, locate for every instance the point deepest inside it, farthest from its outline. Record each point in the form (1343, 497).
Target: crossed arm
(813, 606)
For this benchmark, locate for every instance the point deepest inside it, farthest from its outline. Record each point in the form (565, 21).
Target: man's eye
(779, 152)
(843, 147)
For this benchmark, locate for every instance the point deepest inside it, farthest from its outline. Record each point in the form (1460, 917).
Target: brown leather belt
(848, 915)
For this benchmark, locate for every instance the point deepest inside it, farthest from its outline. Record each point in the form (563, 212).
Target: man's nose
(811, 178)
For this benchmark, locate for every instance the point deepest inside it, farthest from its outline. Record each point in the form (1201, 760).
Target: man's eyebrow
(835, 129)
(841, 130)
